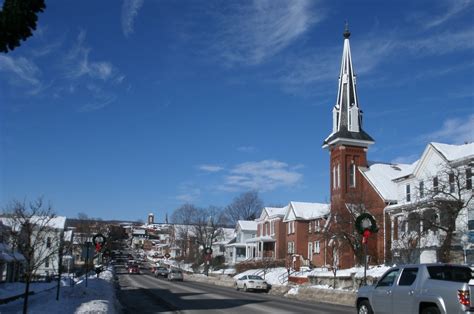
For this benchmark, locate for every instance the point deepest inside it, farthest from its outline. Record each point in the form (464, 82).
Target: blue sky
(120, 108)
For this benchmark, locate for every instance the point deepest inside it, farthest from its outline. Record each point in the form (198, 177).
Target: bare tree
(246, 206)
(343, 225)
(208, 227)
(183, 217)
(34, 233)
(448, 197)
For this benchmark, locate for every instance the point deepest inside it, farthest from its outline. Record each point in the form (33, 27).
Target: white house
(409, 191)
(239, 249)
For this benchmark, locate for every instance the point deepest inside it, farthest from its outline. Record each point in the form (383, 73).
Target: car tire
(364, 308)
(430, 310)
(245, 288)
(237, 287)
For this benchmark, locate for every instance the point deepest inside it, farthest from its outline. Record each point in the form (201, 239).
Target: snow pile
(293, 290)
(372, 271)
(97, 297)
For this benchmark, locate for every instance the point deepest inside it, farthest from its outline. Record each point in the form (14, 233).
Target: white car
(251, 282)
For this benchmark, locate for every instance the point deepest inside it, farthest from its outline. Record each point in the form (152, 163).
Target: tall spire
(347, 116)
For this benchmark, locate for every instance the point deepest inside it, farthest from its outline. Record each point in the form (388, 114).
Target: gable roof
(247, 225)
(454, 152)
(273, 212)
(307, 211)
(381, 176)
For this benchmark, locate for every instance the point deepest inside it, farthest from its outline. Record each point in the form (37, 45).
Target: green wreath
(362, 223)
(17, 20)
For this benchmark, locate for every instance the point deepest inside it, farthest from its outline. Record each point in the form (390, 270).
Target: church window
(338, 176)
(352, 175)
(350, 119)
(334, 177)
(435, 184)
(422, 189)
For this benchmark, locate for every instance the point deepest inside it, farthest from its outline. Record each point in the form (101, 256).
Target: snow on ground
(97, 297)
(272, 276)
(372, 271)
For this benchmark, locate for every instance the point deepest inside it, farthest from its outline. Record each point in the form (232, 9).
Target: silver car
(175, 275)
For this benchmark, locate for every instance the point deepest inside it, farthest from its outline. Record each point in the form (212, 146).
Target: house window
(435, 184)
(451, 182)
(46, 262)
(352, 175)
(422, 189)
(289, 227)
(266, 229)
(310, 250)
(317, 248)
(272, 227)
(408, 194)
(48, 242)
(310, 226)
(334, 183)
(469, 178)
(291, 247)
(317, 227)
(293, 226)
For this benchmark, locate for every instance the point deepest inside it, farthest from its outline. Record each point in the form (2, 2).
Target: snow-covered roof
(263, 239)
(247, 225)
(381, 176)
(275, 211)
(307, 211)
(58, 222)
(454, 152)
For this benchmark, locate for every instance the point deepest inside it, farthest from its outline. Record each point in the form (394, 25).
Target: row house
(394, 194)
(242, 247)
(305, 237)
(270, 241)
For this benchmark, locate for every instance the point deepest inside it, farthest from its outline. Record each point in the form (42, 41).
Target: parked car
(419, 288)
(161, 271)
(175, 274)
(133, 269)
(251, 282)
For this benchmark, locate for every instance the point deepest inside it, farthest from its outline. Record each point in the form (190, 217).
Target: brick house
(300, 218)
(270, 241)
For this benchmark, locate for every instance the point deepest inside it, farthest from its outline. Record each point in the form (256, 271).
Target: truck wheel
(430, 310)
(364, 308)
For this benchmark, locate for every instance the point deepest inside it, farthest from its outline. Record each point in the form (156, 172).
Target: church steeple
(347, 116)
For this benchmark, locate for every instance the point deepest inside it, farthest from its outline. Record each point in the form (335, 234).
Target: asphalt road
(144, 293)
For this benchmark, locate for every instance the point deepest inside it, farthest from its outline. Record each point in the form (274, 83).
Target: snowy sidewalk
(97, 297)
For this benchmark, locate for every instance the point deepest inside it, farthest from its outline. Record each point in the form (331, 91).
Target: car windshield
(450, 273)
(255, 277)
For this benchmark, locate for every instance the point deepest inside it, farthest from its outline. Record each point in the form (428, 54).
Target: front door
(382, 296)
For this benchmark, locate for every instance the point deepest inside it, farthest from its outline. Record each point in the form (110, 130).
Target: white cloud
(259, 29)
(130, 10)
(78, 63)
(456, 131)
(263, 175)
(21, 69)
(454, 8)
(210, 168)
(189, 193)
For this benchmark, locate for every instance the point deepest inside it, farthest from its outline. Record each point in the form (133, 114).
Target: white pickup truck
(420, 289)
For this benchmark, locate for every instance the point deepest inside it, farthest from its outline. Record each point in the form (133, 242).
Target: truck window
(408, 276)
(388, 279)
(450, 273)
